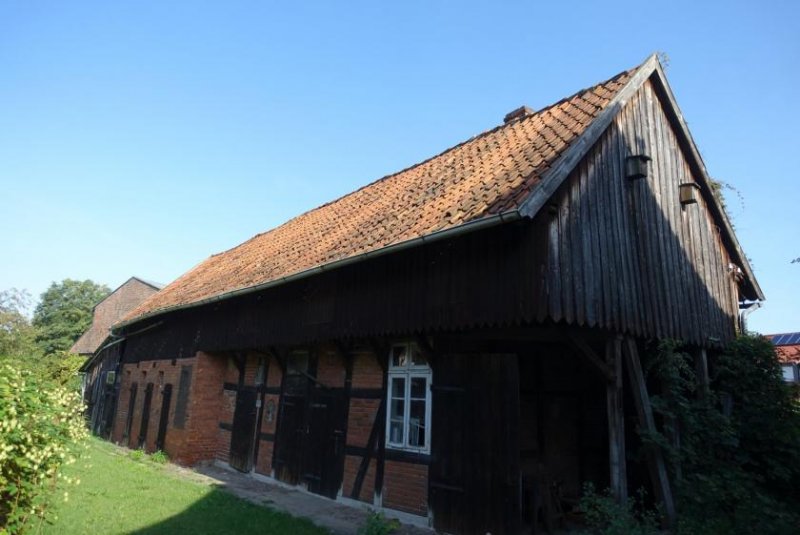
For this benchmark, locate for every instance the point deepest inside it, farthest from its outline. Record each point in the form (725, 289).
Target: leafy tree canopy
(16, 332)
(65, 312)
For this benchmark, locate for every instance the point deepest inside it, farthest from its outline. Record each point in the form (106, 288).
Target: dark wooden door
(148, 400)
(131, 409)
(474, 481)
(244, 428)
(289, 440)
(163, 421)
(323, 447)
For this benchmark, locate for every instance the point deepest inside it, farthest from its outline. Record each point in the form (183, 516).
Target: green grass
(117, 494)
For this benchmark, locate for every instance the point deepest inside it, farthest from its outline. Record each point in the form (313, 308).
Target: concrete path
(339, 518)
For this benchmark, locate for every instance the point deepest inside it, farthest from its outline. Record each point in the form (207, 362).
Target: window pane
(416, 424)
(418, 387)
(399, 356)
(398, 409)
(788, 372)
(416, 357)
(398, 387)
(396, 432)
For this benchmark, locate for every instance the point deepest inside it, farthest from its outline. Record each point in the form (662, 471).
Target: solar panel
(786, 339)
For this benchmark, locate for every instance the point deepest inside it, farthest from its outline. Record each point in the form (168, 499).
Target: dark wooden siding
(607, 252)
(624, 254)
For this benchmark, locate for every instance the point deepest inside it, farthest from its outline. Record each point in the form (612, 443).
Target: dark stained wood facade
(511, 320)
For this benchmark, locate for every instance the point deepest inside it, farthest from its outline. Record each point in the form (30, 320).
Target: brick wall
(198, 439)
(405, 487)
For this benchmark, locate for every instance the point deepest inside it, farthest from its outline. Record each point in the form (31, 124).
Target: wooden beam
(701, 372)
(280, 358)
(585, 350)
(381, 351)
(655, 457)
(616, 422)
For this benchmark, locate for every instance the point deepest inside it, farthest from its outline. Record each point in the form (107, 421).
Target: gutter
(439, 235)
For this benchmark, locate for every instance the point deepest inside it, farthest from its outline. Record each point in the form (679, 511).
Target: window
(409, 400)
(789, 373)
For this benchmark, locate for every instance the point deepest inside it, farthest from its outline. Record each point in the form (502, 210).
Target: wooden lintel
(655, 457)
(585, 350)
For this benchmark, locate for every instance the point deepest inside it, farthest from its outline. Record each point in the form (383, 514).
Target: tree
(16, 332)
(65, 312)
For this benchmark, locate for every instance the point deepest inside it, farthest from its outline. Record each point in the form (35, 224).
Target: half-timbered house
(449, 341)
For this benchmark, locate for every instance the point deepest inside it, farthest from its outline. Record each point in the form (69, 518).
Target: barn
(458, 343)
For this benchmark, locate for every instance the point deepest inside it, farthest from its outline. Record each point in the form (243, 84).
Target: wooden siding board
(661, 209)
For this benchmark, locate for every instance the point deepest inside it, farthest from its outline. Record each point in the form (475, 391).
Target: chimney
(519, 113)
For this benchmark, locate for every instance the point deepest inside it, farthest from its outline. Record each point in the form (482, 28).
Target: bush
(41, 425)
(159, 457)
(137, 455)
(739, 448)
(607, 517)
(377, 524)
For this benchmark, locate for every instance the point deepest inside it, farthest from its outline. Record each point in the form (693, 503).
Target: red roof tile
(486, 175)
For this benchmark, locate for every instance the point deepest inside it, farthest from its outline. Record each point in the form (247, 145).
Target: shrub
(607, 517)
(377, 524)
(159, 457)
(137, 455)
(739, 448)
(41, 425)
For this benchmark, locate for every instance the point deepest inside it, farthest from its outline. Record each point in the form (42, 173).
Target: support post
(616, 421)
(655, 457)
(701, 371)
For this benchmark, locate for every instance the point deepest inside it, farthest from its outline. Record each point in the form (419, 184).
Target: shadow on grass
(220, 513)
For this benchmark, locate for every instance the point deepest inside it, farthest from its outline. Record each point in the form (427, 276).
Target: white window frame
(407, 372)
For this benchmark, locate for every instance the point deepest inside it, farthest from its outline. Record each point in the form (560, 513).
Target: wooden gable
(624, 253)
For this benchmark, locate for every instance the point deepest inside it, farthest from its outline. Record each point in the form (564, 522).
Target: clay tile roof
(787, 346)
(483, 176)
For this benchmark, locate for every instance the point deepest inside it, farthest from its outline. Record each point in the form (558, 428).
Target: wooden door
(163, 421)
(474, 478)
(323, 448)
(289, 440)
(244, 429)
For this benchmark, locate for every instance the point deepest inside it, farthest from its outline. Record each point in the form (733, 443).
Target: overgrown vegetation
(41, 414)
(378, 524)
(737, 466)
(41, 426)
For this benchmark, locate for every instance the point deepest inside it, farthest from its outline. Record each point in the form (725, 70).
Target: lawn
(118, 494)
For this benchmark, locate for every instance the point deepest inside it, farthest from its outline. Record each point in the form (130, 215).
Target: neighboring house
(448, 341)
(97, 344)
(787, 346)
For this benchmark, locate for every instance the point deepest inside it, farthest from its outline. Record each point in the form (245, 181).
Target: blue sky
(139, 138)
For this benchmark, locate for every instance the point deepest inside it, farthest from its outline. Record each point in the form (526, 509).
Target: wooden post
(655, 458)
(616, 421)
(701, 371)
